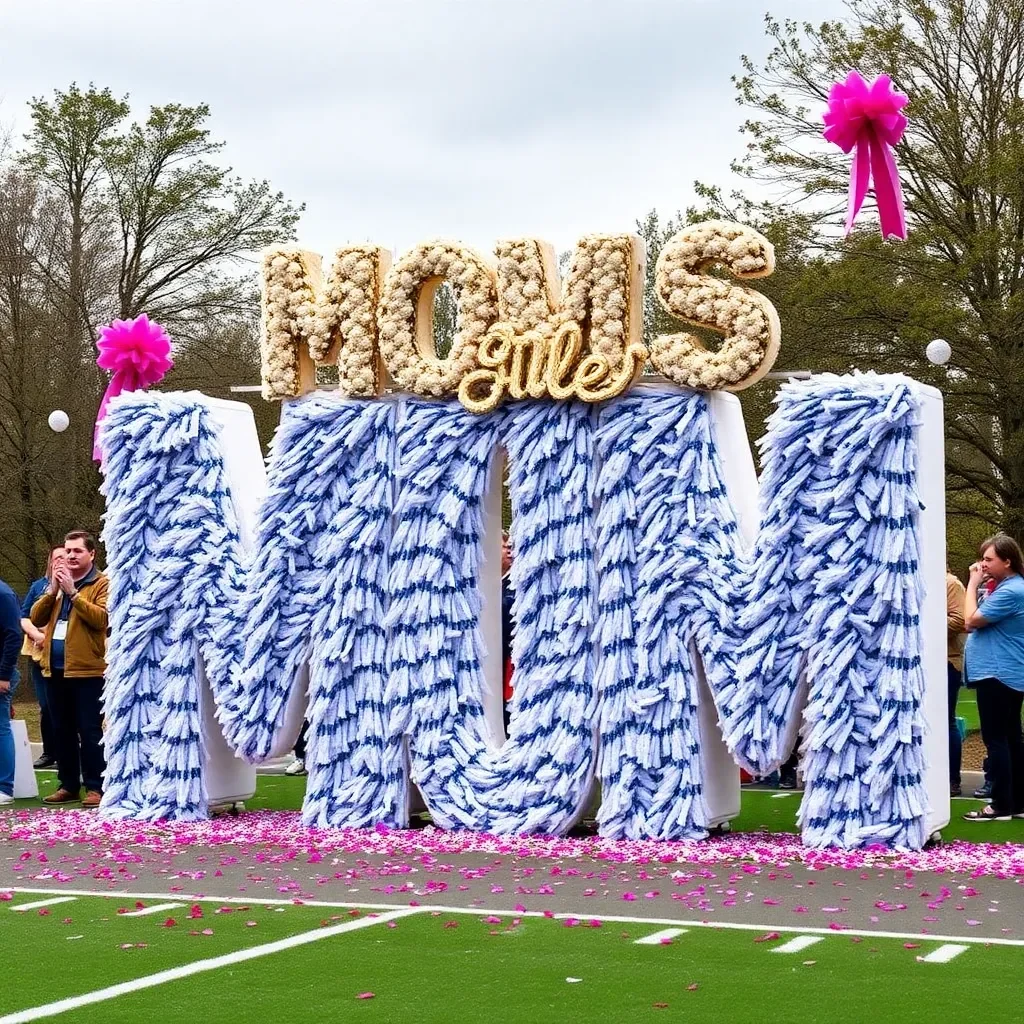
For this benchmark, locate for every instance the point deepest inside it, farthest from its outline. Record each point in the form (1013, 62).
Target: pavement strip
(198, 967)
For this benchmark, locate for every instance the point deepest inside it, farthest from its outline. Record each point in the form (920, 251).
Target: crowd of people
(61, 627)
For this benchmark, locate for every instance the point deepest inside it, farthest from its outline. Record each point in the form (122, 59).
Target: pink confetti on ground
(284, 829)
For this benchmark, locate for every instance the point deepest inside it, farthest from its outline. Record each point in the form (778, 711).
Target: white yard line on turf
(943, 954)
(254, 900)
(21, 907)
(198, 967)
(799, 943)
(157, 908)
(656, 938)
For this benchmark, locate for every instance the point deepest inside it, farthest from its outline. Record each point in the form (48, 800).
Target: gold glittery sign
(520, 332)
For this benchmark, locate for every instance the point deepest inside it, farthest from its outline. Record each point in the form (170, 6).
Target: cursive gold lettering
(527, 365)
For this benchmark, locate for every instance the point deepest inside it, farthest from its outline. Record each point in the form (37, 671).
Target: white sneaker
(5, 799)
(297, 767)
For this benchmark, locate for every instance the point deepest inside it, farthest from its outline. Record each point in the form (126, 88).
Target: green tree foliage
(861, 303)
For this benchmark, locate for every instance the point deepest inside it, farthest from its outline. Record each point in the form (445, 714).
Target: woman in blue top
(994, 662)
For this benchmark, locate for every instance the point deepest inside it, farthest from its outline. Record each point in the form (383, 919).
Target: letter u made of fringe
(538, 780)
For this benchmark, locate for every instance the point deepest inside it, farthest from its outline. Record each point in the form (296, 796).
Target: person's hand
(5, 686)
(66, 583)
(977, 573)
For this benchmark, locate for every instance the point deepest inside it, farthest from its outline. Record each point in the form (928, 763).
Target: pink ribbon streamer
(138, 352)
(866, 120)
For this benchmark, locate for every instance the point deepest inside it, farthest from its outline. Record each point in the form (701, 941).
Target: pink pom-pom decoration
(866, 120)
(138, 353)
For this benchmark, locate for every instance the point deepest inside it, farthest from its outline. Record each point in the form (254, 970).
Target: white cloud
(396, 120)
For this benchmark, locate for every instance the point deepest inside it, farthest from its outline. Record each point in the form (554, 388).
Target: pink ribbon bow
(867, 120)
(139, 354)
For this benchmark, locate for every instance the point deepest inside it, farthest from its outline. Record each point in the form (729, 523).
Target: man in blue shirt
(994, 662)
(34, 638)
(10, 648)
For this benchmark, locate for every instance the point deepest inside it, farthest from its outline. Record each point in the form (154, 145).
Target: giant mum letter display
(673, 620)
(366, 565)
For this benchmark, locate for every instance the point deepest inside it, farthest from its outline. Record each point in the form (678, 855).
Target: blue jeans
(77, 713)
(300, 743)
(6, 746)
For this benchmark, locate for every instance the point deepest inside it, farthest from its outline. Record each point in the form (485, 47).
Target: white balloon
(58, 420)
(938, 352)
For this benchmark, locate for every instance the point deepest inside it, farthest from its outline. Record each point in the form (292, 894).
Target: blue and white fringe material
(838, 550)
(831, 594)
(538, 780)
(366, 565)
(180, 587)
(659, 501)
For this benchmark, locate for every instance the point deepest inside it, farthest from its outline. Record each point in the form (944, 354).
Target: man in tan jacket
(955, 632)
(72, 614)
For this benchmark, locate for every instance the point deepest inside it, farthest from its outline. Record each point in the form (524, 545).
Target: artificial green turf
(76, 947)
(967, 709)
(421, 971)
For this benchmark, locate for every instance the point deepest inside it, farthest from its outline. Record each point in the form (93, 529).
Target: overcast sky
(400, 120)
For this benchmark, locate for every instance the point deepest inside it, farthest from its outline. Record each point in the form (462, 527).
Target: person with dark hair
(10, 646)
(33, 649)
(994, 662)
(73, 616)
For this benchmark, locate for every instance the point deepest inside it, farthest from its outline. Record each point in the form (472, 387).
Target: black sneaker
(985, 791)
(44, 762)
(787, 781)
